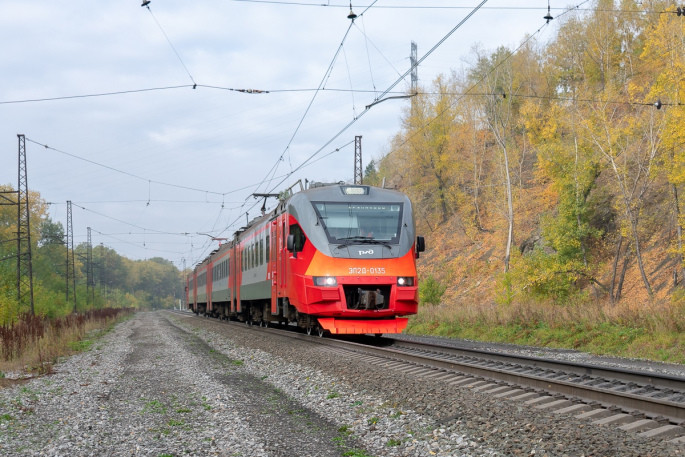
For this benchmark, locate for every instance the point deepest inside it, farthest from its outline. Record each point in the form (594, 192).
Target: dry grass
(651, 331)
(33, 344)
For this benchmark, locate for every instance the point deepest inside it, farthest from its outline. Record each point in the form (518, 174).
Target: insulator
(351, 16)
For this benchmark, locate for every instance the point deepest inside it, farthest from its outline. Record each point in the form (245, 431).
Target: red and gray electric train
(335, 258)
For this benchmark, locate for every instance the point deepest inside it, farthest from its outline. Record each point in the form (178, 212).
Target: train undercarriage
(258, 312)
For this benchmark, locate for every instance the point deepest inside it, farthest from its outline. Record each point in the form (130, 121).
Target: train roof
(333, 192)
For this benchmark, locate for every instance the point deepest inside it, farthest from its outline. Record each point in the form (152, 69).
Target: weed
(373, 421)
(393, 442)
(5, 417)
(356, 453)
(345, 430)
(237, 362)
(183, 410)
(358, 403)
(154, 406)
(332, 395)
(175, 423)
(80, 345)
(31, 394)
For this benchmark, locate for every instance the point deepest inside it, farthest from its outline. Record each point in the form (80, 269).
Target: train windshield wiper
(350, 240)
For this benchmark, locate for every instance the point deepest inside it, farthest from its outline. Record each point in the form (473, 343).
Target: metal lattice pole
(90, 280)
(71, 268)
(358, 170)
(24, 263)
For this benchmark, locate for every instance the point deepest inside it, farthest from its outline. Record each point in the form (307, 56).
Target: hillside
(547, 181)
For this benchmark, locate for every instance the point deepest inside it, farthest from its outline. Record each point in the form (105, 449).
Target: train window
(300, 238)
(268, 248)
(261, 252)
(348, 222)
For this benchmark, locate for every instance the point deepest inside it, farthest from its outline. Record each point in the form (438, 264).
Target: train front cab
(351, 280)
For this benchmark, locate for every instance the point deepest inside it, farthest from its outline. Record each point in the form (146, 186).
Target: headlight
(325, 281)
(404, 281)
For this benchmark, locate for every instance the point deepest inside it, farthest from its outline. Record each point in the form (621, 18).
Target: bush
(431, 291)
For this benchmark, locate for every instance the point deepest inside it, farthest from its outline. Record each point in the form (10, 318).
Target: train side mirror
(290, 244)
(420, 245)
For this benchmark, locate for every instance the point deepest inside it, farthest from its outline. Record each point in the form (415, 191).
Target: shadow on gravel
(287, 427)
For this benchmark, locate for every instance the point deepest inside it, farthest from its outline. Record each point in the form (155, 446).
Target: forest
(547, 181)
(118, 282)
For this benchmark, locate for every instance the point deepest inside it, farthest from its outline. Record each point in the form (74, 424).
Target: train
(331, 258)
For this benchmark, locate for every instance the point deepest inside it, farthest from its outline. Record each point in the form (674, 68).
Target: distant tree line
(118, 281)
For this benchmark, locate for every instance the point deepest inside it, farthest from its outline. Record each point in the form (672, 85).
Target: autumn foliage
(551, 175)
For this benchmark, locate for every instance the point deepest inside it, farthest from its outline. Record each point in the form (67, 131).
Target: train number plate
(367, 270)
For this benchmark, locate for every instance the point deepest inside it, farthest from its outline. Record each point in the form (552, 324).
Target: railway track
(650, 404)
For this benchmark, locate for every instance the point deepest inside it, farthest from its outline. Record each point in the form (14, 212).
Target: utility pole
(90, 280)
(414, 72)
(71, 268)
(24, 263)
(103, 265)
(358, 170)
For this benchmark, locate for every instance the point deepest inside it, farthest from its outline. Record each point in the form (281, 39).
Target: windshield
(360, 222)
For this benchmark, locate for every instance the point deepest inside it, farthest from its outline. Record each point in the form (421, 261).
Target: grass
(653, 331)
(154, 406)
(34, 344)
(344, 433)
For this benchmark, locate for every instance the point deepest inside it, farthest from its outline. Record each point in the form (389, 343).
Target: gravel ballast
(162, 384)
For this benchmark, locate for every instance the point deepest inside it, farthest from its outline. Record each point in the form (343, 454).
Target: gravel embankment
(163, 384)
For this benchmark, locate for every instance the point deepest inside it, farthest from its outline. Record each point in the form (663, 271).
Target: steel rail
(656, 408)
(582, 369)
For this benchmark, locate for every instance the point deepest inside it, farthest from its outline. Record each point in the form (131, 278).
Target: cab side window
(300, 238)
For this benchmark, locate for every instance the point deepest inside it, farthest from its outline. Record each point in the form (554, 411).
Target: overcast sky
(158, 163)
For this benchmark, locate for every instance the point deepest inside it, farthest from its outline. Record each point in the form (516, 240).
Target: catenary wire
(171, 44)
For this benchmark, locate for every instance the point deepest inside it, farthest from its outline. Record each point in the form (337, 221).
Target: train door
(239, 276)
(233, 274)
(282, 254)
(273, 264)
(194, 292)
(209, 286)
